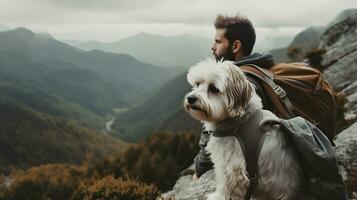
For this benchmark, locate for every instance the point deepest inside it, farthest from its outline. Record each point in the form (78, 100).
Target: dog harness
(250, 134)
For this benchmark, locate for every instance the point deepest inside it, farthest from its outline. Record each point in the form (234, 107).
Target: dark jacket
(202, 160)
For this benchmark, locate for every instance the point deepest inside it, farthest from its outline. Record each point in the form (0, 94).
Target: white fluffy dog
(221, 92)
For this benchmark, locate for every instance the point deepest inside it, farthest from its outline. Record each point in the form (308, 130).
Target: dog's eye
(197, 84)
(213, 89)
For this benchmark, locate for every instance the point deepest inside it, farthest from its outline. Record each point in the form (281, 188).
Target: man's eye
(213, 89)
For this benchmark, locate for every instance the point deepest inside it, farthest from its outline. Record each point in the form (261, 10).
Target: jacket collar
(262, 60)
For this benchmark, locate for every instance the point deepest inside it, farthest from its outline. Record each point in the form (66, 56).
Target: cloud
(271, 14)
(97, 5)
(63, 17)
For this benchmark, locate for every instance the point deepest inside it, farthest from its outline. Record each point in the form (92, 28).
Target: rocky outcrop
(340, 59)
(342, 16)
(188, 189)
(346, 150)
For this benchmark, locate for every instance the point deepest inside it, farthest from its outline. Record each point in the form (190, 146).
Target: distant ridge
(165, 51)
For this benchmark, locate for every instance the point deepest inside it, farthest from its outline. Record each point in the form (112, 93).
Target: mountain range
(53, 99)
(52, 77)
(181, 51)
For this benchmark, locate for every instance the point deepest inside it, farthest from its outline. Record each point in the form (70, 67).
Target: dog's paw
(215, 196)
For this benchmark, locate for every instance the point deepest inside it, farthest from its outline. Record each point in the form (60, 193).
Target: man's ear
(236, 46)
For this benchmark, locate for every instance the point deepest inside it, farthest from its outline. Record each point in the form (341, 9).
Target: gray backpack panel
(317, 158)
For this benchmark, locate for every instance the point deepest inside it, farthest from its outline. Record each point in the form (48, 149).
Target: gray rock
(351, 107)
(188, 189)
(342, 16)
(340, 58)
(346, 145)
(346, 150)
(340, 31)
(343, 72)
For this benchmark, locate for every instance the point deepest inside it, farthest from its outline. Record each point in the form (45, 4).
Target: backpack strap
(277, 94)
(251, 139)
(251, 136)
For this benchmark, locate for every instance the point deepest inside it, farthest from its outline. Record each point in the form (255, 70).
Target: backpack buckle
(279, 91)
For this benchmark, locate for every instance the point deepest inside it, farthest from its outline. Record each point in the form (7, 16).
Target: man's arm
(202, 160)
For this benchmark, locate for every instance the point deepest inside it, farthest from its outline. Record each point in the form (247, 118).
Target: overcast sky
(111, 20)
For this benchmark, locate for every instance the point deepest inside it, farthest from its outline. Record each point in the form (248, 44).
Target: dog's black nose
(191, 99)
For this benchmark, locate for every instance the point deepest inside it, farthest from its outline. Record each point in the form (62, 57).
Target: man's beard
(227, 55)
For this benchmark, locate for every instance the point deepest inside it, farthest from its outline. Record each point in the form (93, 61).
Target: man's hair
(237, 28)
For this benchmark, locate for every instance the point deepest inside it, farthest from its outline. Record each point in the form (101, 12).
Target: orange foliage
(109, 188)
(55, 182)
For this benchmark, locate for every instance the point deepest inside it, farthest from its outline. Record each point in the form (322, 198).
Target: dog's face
(219, 91)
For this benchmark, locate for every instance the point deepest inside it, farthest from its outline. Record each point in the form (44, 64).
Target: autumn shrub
(295, 54)
(155, 165)
(315, 58)
(52, 181)
(110, 188)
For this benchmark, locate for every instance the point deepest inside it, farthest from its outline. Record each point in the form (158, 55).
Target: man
(234, 40)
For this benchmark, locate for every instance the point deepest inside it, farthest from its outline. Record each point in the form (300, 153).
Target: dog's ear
(239, 91)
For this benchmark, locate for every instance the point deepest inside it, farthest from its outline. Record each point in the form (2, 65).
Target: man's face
(221, 48)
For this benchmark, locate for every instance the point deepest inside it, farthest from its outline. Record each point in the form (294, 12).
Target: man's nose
(213, 48)
(191, 99)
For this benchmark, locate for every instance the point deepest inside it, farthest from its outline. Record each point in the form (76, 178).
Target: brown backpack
(296, 89)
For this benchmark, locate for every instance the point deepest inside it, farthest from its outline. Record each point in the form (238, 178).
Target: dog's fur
(221, 91)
